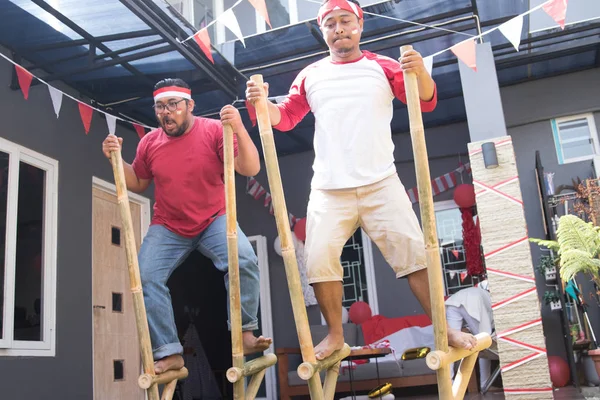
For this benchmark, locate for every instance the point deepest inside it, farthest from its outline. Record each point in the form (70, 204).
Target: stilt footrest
(145, 381)
(252, 367)
(306, 370)
(439, 359)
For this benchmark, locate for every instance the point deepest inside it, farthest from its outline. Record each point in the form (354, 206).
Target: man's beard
(180, 129)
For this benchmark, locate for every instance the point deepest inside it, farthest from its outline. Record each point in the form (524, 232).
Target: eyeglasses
(171, 106)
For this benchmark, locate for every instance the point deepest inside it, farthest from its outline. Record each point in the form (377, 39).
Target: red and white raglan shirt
(353, 109)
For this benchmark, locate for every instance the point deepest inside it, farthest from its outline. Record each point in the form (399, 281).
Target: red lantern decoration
(359, 312)
(559, 371)
(464, 195)
(300, 229)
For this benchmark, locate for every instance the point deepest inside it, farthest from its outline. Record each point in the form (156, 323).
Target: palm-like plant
(577, 247)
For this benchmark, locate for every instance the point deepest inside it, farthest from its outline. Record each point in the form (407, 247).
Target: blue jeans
(162, 251)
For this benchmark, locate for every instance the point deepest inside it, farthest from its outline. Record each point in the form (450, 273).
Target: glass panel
(578, 148)
(29, 257)
(355, 281)
(452, 252)
(279, 13)
(4, 158)
(574, 129)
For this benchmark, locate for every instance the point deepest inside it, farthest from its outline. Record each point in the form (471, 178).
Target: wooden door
(117, 360)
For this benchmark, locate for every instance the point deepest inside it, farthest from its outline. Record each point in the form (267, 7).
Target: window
(28, 212)
(448, 221)
(575, 138)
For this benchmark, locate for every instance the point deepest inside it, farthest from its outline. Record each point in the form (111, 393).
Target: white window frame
(266, 315)
(554, 123)
(45, 347)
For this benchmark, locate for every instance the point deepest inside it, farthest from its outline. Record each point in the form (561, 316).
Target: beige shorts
(382, 209)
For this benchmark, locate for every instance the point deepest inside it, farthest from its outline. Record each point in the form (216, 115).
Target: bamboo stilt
(139, 307)
(461, 380)
(235, 305)
(169, 390)
(257, 367)
(306, 370)
(285, 235)
(254, 384)
(434, 264)
(438, 359)
(145, 381)
(331, 381)
(252, 367)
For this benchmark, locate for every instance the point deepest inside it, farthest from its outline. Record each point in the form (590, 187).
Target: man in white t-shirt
(355, 183)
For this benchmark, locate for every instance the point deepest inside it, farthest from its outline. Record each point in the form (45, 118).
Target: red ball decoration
(559, 371)
(359, 312)
(300, 229)
(464, 195)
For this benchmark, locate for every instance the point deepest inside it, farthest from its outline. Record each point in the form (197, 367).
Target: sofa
(407, 373)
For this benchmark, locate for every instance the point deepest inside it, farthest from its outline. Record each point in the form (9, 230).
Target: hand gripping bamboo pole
(257, 367)
(285, 235)
(134, 271)
(434, 264)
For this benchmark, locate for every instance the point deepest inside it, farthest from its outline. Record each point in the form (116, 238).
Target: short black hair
(171, 82)
(352, 1)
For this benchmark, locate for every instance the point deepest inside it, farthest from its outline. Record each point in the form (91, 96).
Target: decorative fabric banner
(86, 113)
(56, 96)
(139, 129)
(203, 41)
(25, 79)
(111, 122)
(465, 52)
(261, 8)
(230, 21)
(512, 30)
(557, 9)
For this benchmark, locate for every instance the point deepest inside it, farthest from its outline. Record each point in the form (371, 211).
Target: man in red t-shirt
(184, 158)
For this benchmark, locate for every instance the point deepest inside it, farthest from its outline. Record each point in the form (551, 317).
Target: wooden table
(365, 354)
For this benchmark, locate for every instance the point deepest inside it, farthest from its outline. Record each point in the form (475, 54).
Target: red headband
(333, 5)
(172, 91)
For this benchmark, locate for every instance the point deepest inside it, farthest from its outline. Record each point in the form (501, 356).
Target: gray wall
(528, 109)
(33, 124)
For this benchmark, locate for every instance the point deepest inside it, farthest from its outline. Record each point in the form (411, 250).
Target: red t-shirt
(188, 176)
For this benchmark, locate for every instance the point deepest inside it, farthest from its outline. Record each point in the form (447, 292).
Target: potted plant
(577, 247)
(551, 298)
(547, 267)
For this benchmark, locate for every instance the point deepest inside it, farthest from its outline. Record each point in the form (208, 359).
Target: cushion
(319, 332)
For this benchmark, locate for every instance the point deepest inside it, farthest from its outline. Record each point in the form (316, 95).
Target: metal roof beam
(96, 66)
(83, 33)
(168, 30)
(97, 57)
(82, 42)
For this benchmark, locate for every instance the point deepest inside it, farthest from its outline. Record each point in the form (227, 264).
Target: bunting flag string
(86, 111)
(438, 185)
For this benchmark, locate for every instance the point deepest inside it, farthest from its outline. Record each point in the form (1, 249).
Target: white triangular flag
(512, 30)
(111, 121)
(56, 96)
(228, 18)
(428, 61)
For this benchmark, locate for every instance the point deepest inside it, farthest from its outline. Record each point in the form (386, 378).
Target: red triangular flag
(463, 276)
(455, 253)
(465, 51)
(139, 129)
(557, 9)
(25, 79)
(261, 8)
(251, 112)
(203, 40)
(86, 116)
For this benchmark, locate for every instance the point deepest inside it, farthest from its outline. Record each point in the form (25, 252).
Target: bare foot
(254, 344)
(174, 362)
(331, 343)
(461, 340)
